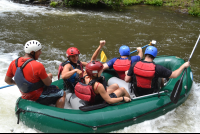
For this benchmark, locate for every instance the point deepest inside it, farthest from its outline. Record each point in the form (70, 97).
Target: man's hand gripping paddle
(178, 86)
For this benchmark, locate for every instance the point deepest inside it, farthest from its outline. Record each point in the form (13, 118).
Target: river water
(57, 29)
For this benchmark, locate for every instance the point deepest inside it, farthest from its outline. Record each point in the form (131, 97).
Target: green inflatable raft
(50, 119)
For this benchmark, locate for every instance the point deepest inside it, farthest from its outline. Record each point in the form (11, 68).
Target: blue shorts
(113, 95)
(50, 95)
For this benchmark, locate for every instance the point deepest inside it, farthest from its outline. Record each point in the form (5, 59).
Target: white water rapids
(185, 118)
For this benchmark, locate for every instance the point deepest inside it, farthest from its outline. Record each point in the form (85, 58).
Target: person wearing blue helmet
(123, 63)
(145, 75)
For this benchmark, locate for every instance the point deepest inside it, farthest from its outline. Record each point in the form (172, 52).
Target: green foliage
(154, 2)
(195, 9)
(53, 4)
(114, 3)
(42, 1)
(194, 5)
(131, 2)
(81, 3)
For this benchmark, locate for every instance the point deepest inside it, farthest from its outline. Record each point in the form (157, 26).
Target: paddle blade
(176, 91)
(103, 57)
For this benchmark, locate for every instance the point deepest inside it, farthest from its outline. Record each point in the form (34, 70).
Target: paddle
(178, 86)
(151, 44)
(6, 86)
(103, 57)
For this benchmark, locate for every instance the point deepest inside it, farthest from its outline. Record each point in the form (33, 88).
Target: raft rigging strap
(19, 110)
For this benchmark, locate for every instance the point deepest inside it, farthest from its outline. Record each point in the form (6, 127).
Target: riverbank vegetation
(191, 7)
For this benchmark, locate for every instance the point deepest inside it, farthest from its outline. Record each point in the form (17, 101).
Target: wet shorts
(113, 95)
(50, 95)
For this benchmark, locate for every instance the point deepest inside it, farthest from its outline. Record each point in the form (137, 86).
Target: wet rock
(184, 11)
(36, 2)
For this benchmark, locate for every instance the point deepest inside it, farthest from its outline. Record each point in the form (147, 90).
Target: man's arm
(105, 66)
(9, 80)
(129, 73)
(177, 72)
(140, 53)
(127, 78)
(47, 81)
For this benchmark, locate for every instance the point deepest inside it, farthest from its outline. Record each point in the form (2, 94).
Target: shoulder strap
(80, 64)
(92, 82)
(64, 63)
(16, 62)
(25, 63)
(97, 79)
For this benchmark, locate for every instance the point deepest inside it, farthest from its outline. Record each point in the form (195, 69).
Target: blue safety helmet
(151, 50)
(124, 50)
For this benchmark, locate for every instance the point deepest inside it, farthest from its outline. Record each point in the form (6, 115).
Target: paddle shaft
(194, 48)
(185, 68)
(136, 50)
(6, 86)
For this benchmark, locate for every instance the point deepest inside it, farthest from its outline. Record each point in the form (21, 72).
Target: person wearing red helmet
(72, 69)
(94, 92)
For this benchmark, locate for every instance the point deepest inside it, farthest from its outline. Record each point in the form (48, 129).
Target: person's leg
(52, 95)
(121, 92)
(60, 103)
(112, 88)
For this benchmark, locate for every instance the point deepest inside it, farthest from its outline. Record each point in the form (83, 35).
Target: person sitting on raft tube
(94, 92)
(146, 73)
(31, 78)
(123, 63)
(72, 69)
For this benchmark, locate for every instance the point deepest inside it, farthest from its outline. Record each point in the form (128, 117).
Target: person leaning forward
(31, 78)
(94, 88)
(123, 63)
(145, 73)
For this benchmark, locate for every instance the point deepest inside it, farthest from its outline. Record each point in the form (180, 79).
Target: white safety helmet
(32, 45)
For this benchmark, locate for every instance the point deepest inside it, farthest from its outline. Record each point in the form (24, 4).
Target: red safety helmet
(72, 51)
(93, 67)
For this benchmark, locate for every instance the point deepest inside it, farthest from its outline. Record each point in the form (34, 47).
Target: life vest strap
(24, 85)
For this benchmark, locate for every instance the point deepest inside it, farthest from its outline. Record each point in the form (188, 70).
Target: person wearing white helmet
(31, 78)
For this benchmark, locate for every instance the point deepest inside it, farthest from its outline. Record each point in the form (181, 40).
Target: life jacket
(61, 66)
(24, 85)
(120, 66)
(144, 74)
(74, 79)
(86, 91)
